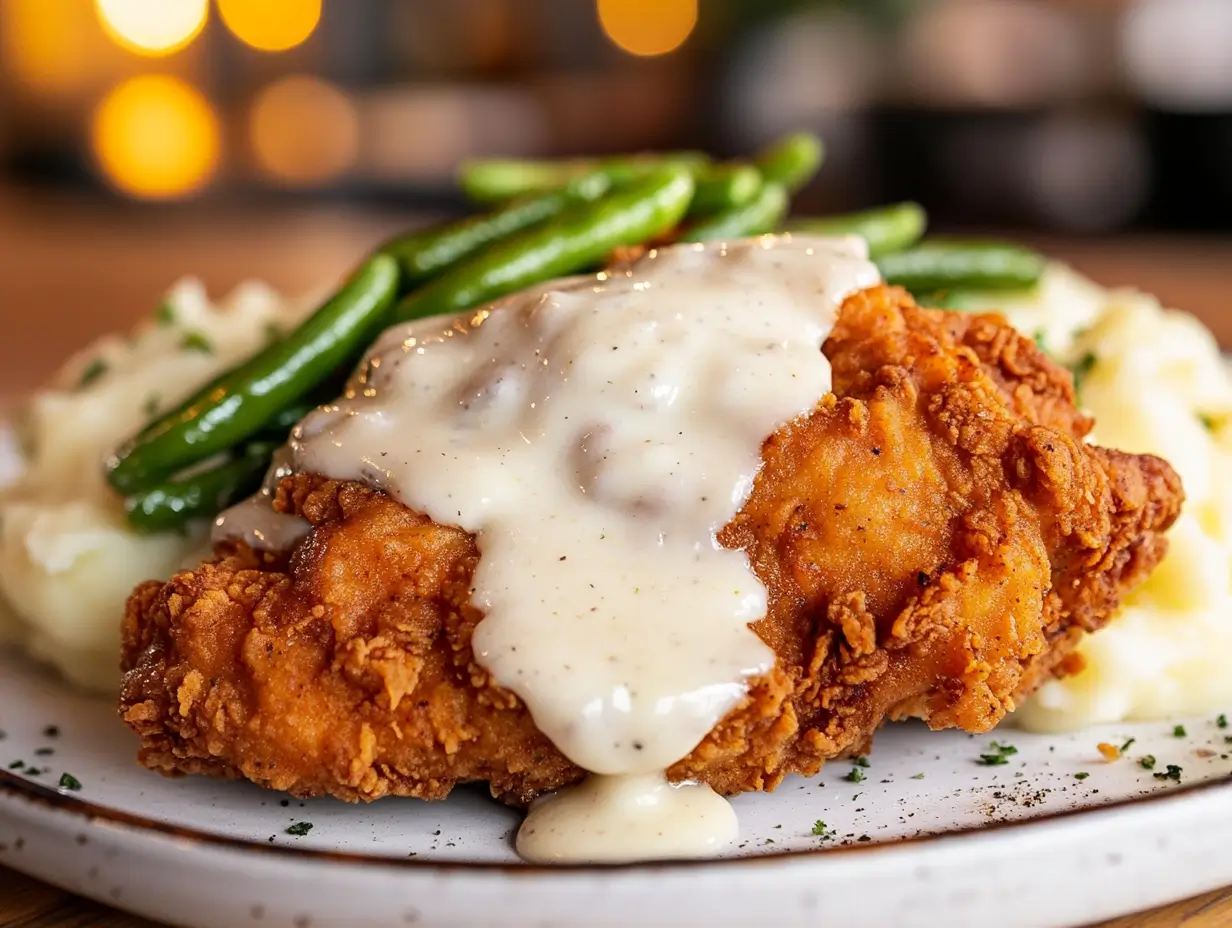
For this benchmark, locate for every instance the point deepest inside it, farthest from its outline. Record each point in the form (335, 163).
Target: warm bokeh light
(155, 137)
(152, 27)
(1178, 53)
(43, 43)
(303, 131)
(648, 27)
(271, 25)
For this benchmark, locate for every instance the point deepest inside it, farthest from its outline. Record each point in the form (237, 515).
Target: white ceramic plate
(929, 837)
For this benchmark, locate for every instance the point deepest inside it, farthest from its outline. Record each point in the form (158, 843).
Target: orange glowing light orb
(156, 137)
(271, 25)
(647, 27)
(304, 131)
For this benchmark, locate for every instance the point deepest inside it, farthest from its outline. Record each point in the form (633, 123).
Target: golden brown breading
(935, 538)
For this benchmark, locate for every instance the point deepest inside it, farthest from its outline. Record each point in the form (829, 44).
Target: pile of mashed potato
(67, 558)
(1156, 382)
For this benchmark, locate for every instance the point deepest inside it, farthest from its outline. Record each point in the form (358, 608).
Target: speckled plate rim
(1065, 869)
(35, 794)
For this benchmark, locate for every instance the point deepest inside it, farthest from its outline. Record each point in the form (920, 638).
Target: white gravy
(595, 434)
(626, 818)
(256, 522)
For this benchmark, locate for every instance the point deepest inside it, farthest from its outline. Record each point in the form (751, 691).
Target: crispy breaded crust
(935, 538)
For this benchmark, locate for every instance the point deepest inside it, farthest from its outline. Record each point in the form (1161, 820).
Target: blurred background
(140, 139)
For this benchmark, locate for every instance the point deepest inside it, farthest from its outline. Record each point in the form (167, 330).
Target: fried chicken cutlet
(935, 538)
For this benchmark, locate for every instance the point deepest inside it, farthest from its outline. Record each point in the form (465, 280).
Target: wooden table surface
(71, 271)
(25, 903)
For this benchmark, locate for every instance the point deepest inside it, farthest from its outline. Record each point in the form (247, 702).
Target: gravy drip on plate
(256, 522)
(627, 818)
(595, 434)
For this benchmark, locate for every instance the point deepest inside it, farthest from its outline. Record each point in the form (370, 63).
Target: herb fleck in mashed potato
(1156, 383)
(67, 558)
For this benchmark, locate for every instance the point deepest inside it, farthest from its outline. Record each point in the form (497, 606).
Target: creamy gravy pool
(595, 434)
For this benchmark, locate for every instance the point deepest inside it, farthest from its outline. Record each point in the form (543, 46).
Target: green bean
(947, 265)
(724, 186)
(764, 214)
(961, 300)
(286, 419)
(791, 161)
(241, 401)
(202, 495)
(423, 255)
(575, 240)
(887, 229)
(497, 179)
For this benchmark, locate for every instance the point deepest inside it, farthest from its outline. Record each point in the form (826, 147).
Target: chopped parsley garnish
(17, 765)
(51, 731)
(165, 314)
(860, 761)
(195, 341)
(820, 830)
(1039, 338)
(94, 370)
(768, 841)
(1179, 731)
(856, 775)
(1220, 722)
(1000, 755)
(1148, 762)
(1172, 773)
(1084, 367)
(70, 782)
(45, 752)
(1081, 775)
(299, 829)
(917, 776)
(1210, 422)
(1126, 746)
